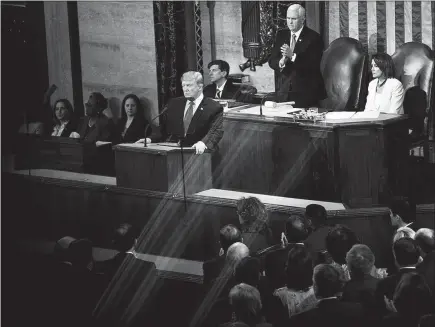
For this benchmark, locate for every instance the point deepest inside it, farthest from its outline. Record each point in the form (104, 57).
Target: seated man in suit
(407, 256)
(221, 87)
(228, 235)
(192, 120)
(330, 310)
(425, 238)
(296, 58)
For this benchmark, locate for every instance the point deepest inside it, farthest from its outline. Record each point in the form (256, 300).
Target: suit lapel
(301, 42)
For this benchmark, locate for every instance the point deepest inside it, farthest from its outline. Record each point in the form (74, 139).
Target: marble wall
(118, 52)
(228, 41)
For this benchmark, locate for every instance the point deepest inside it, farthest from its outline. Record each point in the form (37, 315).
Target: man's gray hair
(236, 253)
(193, 76)
(299, 8)
(403, 232)
(360, 260)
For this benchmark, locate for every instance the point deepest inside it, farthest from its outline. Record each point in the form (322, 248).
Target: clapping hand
(286, 51)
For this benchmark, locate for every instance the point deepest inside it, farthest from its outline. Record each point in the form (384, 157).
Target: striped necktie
(293, 42)
(218, 94)
(188, 116)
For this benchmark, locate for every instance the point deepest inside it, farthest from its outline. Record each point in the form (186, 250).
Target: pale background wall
(228, 31)
(118, 52)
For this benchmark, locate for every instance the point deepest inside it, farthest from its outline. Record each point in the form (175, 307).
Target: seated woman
(63, 118)
(131, 127)
(95, 126)
(386, 93)
(253, 219)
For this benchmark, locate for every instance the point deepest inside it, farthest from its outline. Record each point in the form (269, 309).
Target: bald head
(295, 17)
(425, 238)
(236, 253)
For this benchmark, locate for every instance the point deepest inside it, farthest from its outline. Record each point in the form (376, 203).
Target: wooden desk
(63, 153)
(159, 168)
(355, 162)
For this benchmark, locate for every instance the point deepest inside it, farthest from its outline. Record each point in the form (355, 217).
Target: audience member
(338, 242)
(246, 303)
(131, 127)
(412, 299)
(124, 240)
(253, 218)
(403, 232)
(63, 118)
(401, 214)
(425, 239)
(329, 311)
(95, 125)
(406, 256)
(315, 217)
(228, 235)
(248, 271)
(385, 93)
(361, 287)
(298, 295)
(276, 259)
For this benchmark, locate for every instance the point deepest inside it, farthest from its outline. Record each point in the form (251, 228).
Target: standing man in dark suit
(192, 120)
(221, 87)
(296, 57)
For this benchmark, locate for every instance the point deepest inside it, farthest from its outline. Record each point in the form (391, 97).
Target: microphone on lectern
(148, 126)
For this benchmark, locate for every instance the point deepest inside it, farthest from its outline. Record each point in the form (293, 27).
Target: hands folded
(143, 141)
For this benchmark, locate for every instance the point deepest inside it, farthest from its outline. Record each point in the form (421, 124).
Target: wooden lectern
(158, 167)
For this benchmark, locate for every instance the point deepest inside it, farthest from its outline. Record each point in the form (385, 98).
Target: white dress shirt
(220, 88)
(58, 129)
(197, 101)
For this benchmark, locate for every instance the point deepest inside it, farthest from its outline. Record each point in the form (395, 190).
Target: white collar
(198, 100)
(297, 33)
(221, 88)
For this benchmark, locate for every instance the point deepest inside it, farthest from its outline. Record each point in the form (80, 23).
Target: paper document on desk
(339, 115)
(366, 115)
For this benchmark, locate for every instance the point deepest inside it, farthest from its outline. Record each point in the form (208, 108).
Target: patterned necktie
(293, 42)
(218, 94)
(188, 116)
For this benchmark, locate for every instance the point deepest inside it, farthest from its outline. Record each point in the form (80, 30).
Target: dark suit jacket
(427, 269)
(387, 286)
(302, 77)
(330, 312)
(212, 269)
(206, 124)
(69, 128)
(227, 93)
(134, 132)
(103, 130)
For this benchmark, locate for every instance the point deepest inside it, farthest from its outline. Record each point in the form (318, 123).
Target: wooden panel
(52, 208)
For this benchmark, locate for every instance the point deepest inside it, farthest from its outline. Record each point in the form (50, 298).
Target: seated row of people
(285, 278)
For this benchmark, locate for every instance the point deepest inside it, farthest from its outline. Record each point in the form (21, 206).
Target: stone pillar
(58, 49)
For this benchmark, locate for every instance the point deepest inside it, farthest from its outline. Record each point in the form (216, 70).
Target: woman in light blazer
(386, 93)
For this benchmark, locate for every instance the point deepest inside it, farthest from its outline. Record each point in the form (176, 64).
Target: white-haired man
(296, 58)
(193, 120)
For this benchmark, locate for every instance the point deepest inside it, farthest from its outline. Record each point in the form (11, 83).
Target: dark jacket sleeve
(216, 130)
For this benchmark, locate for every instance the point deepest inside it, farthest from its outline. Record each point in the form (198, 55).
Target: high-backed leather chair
(414, 67)
(344, 68)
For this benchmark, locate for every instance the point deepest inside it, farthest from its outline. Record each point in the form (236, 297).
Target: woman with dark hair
(298, 295)
(63, 118)
(95, 126)
(131, 127)
(253, 218)
(385, 93)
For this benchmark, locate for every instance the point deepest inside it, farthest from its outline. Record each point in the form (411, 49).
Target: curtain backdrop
(368, 21)
(170, 37)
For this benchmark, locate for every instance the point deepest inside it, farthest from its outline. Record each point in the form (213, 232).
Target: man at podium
(192, 120)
